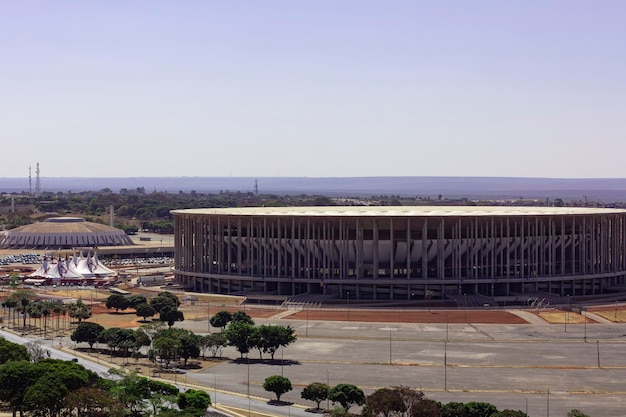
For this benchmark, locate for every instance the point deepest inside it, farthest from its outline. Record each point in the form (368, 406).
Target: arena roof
(400, 211)
(65, 225)
(64, 232)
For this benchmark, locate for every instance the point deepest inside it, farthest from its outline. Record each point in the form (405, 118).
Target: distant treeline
(135, 209)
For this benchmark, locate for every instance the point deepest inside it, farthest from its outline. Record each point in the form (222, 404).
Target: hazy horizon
(606, 190)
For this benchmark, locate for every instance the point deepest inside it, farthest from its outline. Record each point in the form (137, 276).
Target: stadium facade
(402, 253)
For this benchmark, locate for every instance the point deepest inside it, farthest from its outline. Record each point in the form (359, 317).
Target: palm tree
(57, 308)
(11, 304)
(34, 312)
(23, 298)
(45, 312)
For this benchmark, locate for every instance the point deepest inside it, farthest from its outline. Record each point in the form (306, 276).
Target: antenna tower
(256, 187)
(30, 182)
(37, 182)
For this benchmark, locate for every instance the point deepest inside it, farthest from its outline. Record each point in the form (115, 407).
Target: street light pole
(248, 358)
(445, 366)
(447, 321)
(307, 321)
(348, 293)
(566, 314)
(328, 390)
(208, 311)
(390, 361)
(465, 305)
(215, 389)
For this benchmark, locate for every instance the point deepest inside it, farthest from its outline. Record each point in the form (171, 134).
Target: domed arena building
(64, 233)
(488, 254)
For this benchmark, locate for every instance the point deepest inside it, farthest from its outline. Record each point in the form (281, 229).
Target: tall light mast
(37, 182)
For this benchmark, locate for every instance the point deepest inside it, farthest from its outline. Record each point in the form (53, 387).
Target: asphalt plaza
(544, 369)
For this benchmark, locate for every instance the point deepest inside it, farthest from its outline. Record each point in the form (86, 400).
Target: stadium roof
(401, 211)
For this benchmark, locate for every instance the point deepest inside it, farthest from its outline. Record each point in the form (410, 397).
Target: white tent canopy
(79, 267)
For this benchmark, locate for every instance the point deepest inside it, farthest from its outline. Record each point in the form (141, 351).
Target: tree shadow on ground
(280, 403)
(191, 365)
(273, 362)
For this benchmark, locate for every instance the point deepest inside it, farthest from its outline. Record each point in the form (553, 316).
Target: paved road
(545, 369)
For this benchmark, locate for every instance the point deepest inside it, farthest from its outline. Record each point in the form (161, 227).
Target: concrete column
(375, 248)
(392, 254)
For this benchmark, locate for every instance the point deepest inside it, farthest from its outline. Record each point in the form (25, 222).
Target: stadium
(488, 254)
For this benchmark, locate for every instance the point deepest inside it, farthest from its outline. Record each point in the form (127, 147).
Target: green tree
(510, 413)
(277, 384)
(136, 300)
(142, 338)
(153, 328)
(187, 343)
(479, 409)
(118, 302)
(13, 375)
(243, 317)
(316, 392)
(118, 339)
(453, 409)
(131, 390)
(159, 303)
(189, 346)
(576, 413)
(79, 311)
(195, 399)
(240, 335)
(145, 310)
(136, 392)
(338, 412)
(48, 381)
(215, 343)
(171, 315)
(271, 337)
(164, 299)
(10, 351)
(93, 402)
(161, 394)
(221, 319)
(347, 395)
(87, 332)
(165, 347)
(46, 395)
(384, 402)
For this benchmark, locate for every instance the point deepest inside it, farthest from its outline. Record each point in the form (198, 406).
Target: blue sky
(313, 88)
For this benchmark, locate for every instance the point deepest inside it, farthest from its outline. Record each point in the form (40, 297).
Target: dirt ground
(200, 310)
(410, 316)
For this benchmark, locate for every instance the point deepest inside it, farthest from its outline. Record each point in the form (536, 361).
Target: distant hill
(607, 190)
